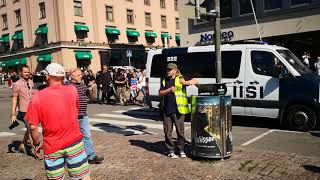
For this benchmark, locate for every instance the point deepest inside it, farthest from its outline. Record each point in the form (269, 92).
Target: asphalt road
(256, 133)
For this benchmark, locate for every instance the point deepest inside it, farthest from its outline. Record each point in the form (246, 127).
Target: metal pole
(129, 61)
(255, 18)
(217, 29)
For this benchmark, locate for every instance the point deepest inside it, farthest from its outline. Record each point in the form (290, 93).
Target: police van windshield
(294, 62)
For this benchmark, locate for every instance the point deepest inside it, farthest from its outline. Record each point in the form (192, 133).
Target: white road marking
(266, 133)
(121, 116)
(145, 113)
(6, 134)
(126, 123)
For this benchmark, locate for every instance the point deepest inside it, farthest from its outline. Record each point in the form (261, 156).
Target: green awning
(113, 31)
(164, 35)
(83, 55)
(44, 58)
(177, 37)
(5, 39)
(133, 33)
(14, 62)
(79, 27)
(17, 36)
(150, 34)
(42, 30)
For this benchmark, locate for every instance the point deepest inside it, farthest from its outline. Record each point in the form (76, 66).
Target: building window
(2, 2)
(226, 8)
(163, 21)
(42, 7)
(177, 23)
(77, 8)
(176, 5)
(4, 21)
(18, 17)
(297, 2)
(163, 3)
(109, 13)
(245, 6)
(147, 2)
(272, 4)
(130, 18)
(148, 19)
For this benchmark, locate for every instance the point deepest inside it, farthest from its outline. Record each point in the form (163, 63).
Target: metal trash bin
(211, 126)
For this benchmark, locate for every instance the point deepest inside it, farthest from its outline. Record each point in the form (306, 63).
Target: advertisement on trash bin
(211, 121)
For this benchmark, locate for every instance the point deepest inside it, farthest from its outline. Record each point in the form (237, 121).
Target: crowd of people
(122, 84)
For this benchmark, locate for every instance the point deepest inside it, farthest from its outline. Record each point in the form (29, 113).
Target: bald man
(83, 93)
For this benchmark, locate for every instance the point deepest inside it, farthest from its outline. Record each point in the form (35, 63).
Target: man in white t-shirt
(306, 58)
(317, 65)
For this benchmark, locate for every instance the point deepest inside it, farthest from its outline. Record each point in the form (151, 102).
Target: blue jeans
(85, 131)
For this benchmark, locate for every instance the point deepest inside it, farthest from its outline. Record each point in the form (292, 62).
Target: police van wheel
(300, 118)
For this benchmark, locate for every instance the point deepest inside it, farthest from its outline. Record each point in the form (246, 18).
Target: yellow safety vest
(181, 96)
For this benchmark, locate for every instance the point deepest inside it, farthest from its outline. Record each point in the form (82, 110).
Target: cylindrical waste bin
(211, 126)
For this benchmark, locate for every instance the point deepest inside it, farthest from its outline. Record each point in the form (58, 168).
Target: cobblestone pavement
(143, 157)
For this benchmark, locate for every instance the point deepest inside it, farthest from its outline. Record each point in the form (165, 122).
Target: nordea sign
(210, 37)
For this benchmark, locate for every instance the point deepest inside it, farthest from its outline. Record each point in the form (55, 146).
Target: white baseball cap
(54, 69)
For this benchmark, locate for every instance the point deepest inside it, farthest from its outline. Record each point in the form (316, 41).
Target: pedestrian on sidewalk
(105, 85)
(56, 109)
(99, 85)
(22, 92)
(121, 86)
(83, 93)
(175, 102)
(317, 65)
(142, 86)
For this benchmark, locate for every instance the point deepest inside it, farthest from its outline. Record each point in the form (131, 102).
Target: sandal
(22, 149)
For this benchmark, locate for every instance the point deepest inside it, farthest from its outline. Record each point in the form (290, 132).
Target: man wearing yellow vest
(175, 101)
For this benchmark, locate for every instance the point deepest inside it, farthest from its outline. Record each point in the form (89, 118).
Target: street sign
(129, 53)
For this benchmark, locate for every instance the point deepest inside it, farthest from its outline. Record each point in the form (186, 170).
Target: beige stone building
(294, 24)
(85, 33)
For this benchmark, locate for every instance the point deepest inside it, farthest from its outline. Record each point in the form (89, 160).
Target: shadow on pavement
(128, 131)
(256, 122)
(312, 168)
(315, 133)
(147, 114)
(158, 147)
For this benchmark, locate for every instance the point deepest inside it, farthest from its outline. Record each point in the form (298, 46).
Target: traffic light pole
(217, 29)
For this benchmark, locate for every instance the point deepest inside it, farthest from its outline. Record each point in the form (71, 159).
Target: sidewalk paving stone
(143, 157)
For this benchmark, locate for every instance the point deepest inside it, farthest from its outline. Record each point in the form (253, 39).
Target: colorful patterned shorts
(73, 158)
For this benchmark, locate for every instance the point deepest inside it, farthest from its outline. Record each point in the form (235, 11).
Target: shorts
(20, 117)
(73, 158)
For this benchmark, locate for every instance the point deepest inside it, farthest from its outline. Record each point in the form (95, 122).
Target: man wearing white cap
(56, 108)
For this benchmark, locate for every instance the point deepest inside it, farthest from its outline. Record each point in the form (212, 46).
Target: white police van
(263, 80)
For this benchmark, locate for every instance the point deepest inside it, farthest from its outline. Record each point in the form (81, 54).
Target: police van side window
(263, 63)
(198, 64)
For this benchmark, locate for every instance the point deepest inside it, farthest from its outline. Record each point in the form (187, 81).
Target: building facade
(294, 24)
(85, 33)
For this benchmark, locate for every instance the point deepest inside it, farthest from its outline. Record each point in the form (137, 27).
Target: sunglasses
(28, 86)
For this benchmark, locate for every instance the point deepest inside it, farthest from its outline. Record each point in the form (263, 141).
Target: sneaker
(182, 154)
(172, 156)
(95, 160)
